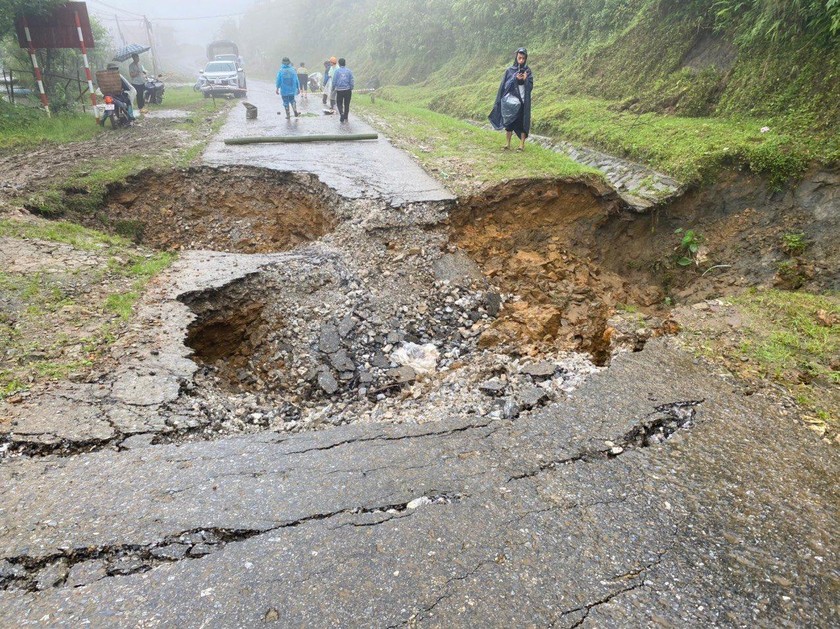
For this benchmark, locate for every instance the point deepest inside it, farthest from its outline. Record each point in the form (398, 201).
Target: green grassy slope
(686, 86)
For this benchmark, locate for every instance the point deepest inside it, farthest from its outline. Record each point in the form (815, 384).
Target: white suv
(222, 77)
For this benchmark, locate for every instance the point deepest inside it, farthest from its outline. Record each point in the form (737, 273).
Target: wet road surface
(369, 168)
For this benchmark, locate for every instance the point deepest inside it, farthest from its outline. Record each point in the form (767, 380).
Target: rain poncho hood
(287, 80)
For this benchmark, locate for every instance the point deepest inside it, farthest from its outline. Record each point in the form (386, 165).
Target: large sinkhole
(234, 209)
(308, 332)
(532, 240)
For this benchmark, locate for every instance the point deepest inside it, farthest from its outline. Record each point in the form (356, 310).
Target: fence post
(39, 79)
(87, 63)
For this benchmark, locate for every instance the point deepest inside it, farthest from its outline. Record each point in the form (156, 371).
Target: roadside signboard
(66, 26)
(56, 29)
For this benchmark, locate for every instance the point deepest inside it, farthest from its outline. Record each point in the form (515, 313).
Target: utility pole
(148, 26)
(119, 29)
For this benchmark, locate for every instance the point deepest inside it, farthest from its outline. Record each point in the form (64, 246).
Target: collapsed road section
(407, 413)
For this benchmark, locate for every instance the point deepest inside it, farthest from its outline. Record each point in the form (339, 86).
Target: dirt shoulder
(66, 292)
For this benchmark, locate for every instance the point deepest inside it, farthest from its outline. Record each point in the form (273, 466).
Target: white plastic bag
(511, 104)
(421, 358)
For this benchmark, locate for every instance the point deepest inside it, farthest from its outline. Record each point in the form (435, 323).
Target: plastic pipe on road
(293, 139)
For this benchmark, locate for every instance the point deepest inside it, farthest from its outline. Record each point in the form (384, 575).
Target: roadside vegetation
(788, 338)
(26, 127)
(689, 86)
(58, 318)
(464, 156)
(692, 149)
(82, 189)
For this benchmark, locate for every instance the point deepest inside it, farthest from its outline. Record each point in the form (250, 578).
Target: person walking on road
(343, 84)
(512, 109)
(288, 87)
(137, 77)
(303, 79)
(329, 90)
(325, 80)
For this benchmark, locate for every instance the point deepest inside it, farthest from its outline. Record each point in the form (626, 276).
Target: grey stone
(52, 575)
(127, 565)
(346, 326)
(172, 552)
(9, 570)
(138, 441)
(456, 268)
(380, 360)
(403, 374)
(86, 572)
(327, 382)
(531, 397)
(493, 304)
(542, 369)
(329, 341)
(200, 550)
(493, 387)
(511, 409)
(341, 361)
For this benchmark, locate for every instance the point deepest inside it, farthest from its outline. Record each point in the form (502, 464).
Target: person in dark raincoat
(512, 109)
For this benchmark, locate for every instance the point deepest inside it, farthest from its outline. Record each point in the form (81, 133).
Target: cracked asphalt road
(563, 517)
(728, 523)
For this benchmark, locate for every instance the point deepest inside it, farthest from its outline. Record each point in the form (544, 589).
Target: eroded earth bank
(379, 411)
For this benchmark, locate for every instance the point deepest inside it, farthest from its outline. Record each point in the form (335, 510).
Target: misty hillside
(690, 58)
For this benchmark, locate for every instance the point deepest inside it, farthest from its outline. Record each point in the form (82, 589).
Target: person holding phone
(512, 109)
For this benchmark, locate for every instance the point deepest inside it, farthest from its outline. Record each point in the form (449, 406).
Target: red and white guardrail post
(38, 76)
(87, 63)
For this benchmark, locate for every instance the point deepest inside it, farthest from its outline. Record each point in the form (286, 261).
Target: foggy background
(265, 30)
(180, 30)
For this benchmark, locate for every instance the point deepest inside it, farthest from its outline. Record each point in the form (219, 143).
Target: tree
(10, 9)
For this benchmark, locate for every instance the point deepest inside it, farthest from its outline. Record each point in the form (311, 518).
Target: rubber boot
(297, 115)
(288, 117)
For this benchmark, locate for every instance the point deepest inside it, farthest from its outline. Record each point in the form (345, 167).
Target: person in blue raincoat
(512, 109)
(288, 86)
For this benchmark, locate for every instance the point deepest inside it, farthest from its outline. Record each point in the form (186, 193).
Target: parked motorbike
(117, 111)
(154, 89)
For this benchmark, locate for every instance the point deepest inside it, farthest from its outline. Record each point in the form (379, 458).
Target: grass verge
(465, 157)
(25, 127)
(692, 149)
(790, 338)
(59, 319)
(795, 340)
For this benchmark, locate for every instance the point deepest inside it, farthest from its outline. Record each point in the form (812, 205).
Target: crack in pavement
(440, 433)
(637, 574)
(654, 428)
(53, 571)
(420, 615)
